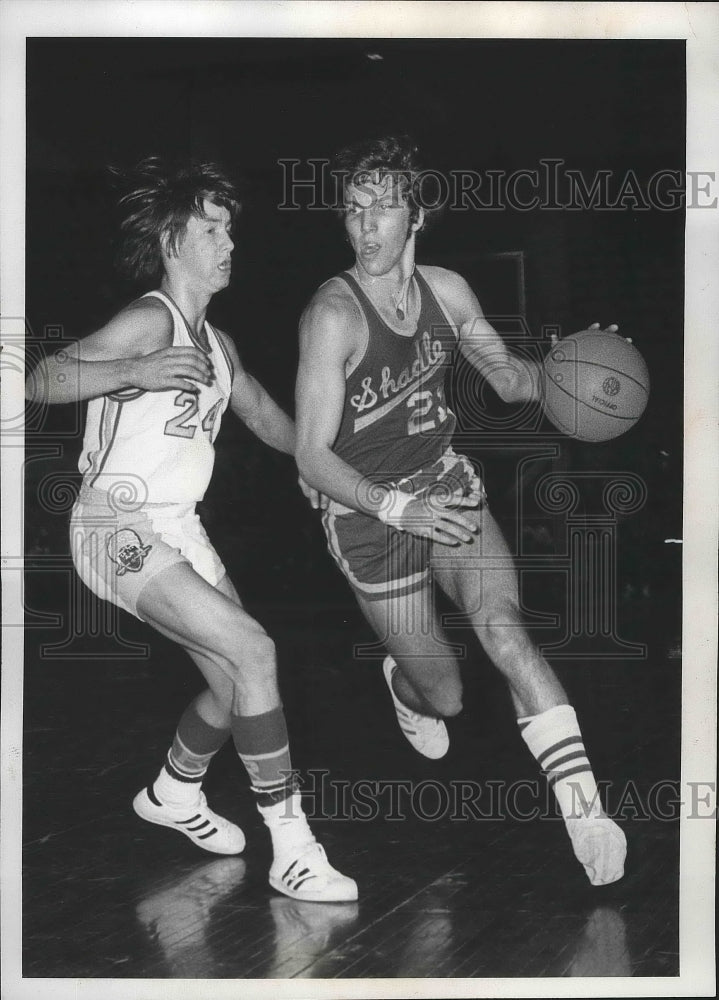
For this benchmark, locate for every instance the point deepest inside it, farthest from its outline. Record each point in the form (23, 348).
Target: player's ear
(165, 247)
(168, 247)
(419, 221)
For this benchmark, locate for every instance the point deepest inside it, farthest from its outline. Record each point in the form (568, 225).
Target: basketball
(596, 385)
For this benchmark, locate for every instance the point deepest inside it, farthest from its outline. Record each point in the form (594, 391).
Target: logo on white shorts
(126, 549)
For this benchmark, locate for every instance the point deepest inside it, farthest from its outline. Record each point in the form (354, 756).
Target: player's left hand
(612, 328)
(318, 501)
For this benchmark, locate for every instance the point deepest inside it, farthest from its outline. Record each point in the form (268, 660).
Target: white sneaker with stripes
(427, 735)
(197, 821)
(309, 876)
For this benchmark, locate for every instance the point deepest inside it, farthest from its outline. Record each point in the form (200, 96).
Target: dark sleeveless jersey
(395, 418)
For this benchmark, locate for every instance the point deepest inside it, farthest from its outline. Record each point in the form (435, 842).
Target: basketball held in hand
(596, 385)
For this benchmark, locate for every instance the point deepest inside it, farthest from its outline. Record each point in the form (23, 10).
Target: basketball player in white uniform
(158, 378)
(406, 512)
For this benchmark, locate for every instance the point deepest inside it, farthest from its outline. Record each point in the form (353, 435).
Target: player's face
(377, 220)
(204, 253)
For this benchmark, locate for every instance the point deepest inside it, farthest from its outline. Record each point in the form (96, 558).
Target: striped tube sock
(263, 746)
(556, 743)
(195, 744)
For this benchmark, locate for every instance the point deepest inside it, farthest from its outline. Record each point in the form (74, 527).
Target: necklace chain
(400, 309)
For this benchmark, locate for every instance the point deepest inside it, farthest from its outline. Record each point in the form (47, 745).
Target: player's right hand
(171, 368)
(430, 517)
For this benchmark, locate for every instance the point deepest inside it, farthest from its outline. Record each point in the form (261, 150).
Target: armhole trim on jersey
(225, 353)
(170, 303)
(125, 395)
(425, 285)
(107, 432)
(348, 282)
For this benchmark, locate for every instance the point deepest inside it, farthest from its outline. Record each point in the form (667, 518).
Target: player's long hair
(393, 155)
(156, 201)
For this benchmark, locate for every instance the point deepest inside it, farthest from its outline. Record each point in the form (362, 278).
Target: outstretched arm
(255, 407)
(514, 378)
(132, 350)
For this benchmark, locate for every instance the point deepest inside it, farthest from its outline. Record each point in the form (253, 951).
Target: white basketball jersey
(158, 447)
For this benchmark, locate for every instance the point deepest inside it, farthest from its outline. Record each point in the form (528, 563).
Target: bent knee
(259, 650)
(500, 625)
(245, 657)
(445, 699)
(255, 656)
(450, 708)
(503, 634)
(496, 616)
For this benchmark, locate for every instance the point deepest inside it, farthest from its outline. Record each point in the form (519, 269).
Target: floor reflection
(602, 949)
(305, 933)
(177, 916)
(438, 935)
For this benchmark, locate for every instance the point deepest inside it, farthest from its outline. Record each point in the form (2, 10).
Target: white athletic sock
(172, 792)
(288, 826)
(556, 742)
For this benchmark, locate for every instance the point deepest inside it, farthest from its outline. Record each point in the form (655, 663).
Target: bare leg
(214, 705)
(234, 652)
(237, 658)
(481, 580)
(427, 679)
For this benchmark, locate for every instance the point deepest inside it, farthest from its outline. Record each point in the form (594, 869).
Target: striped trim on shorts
(380, 562)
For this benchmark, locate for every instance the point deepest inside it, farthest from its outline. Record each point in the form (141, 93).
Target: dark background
(473, 105)
(102, 693)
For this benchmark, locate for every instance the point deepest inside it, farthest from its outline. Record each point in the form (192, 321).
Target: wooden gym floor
(444, 892)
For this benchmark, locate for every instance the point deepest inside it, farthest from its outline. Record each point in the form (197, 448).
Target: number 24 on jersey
(183, 424)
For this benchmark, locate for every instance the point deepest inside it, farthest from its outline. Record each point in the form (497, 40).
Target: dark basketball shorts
(380, 562)
(117, 551)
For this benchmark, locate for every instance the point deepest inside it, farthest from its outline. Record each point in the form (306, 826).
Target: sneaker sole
(341, 895)
(145, 810)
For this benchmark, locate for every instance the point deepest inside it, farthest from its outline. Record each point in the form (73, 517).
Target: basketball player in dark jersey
(158, 377)
(405, 512)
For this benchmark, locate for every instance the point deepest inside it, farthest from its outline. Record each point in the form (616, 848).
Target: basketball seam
(614, 416)
(596, 364)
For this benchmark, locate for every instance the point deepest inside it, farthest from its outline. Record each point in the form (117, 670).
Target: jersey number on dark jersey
(420, 403)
